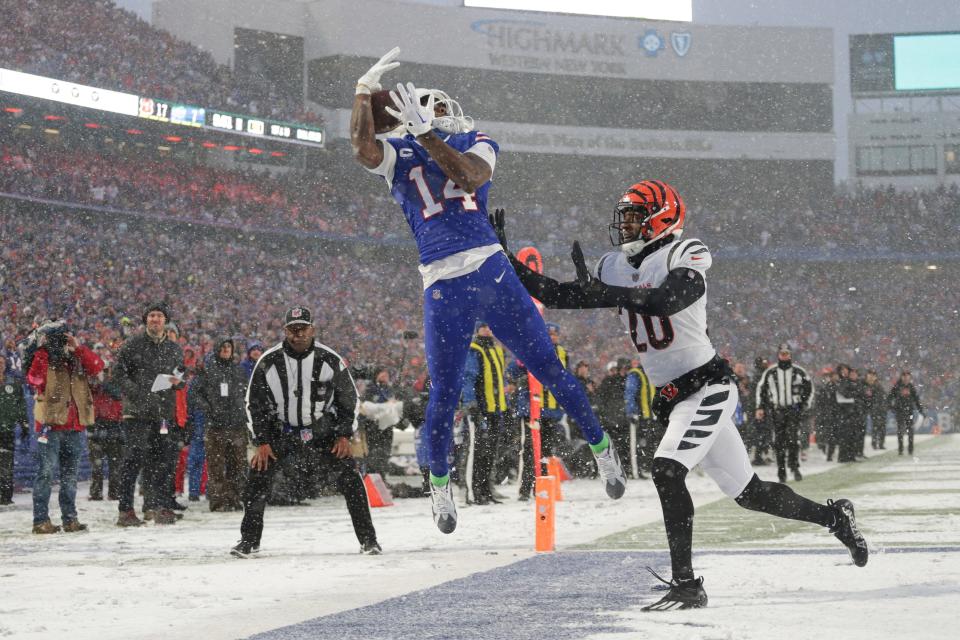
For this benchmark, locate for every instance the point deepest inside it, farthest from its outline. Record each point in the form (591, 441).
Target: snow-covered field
(765, 577)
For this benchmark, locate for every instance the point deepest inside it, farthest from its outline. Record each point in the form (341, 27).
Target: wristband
(362, 90)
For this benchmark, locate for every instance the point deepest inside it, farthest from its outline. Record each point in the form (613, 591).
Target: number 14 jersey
(445, 219)
(669, 346)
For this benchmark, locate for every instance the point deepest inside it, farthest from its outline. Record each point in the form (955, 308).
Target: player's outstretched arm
(681, 288)
(367, 150)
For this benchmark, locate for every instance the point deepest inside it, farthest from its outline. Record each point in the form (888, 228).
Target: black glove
(583, 274)
(499, 224)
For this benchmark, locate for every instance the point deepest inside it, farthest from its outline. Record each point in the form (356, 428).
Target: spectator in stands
(219, 392)
(58, 371)
(13, 415)
(904, 400)
(149, 371)
(105, 439)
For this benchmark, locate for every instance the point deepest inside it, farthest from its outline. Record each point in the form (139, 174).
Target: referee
(784, 391)
(302, 400)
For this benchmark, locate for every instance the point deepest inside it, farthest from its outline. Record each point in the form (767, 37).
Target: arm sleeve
(260, 408)
(388, 164)
(761, 391)
(682, 287)
(124, 373)
(198, 394)
(89, 360)
(346, 402)
(37, 376)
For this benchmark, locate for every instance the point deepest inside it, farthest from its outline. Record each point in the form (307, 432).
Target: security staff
(302, 397)
(644, 427)
(784, 391)
(484, 402)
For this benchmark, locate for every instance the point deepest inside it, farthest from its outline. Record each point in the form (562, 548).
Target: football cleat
(444, 508)
(608, 464)
(681, 594)
(846, 531)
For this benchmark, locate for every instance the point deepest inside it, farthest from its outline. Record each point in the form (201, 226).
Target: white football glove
(370, 81)
(417, 118)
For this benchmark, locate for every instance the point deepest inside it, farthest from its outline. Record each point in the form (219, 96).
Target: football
(382, 120)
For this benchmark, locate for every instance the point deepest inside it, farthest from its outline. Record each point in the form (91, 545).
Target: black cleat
(245, 550)
(846, 531)
(371, 549)
(797, 475)
(681, 594)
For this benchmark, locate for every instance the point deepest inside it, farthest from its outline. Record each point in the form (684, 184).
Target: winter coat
(13, 406)
(140, 360)
(64, 401)
(903, 399)
(219, 392)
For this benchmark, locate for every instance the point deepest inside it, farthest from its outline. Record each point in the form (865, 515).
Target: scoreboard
(157, 109)
(896, 63)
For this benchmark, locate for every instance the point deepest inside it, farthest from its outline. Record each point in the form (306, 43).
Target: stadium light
(931, 267)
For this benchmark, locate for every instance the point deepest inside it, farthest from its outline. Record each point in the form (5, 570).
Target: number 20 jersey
(445, 220)
(668, 346)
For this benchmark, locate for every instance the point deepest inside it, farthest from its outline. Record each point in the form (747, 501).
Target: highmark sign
(531, 45)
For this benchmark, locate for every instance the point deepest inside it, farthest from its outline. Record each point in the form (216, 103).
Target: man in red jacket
(58, 371)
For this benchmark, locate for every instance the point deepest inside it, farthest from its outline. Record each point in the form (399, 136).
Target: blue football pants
(493, 293)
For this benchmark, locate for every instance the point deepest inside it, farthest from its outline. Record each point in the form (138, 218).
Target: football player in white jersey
(656, 281)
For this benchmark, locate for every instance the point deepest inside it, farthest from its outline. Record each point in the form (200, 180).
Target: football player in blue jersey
(439, 170)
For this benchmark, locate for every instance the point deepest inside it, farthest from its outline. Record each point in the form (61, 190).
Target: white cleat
(444, 508)
(608, 463)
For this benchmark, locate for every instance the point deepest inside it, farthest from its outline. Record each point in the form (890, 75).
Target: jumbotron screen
(674, 10)
(890, 63)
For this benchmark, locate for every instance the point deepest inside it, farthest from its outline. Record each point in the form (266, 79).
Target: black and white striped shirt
(784, 388)
(290, 391)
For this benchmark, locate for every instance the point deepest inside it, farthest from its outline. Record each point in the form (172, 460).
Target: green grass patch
(724, 524)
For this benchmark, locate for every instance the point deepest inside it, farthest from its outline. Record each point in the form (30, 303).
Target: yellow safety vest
(495, 399)
(550, 402)
(646, 393)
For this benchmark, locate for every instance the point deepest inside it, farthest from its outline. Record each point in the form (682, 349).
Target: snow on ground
(764, 576)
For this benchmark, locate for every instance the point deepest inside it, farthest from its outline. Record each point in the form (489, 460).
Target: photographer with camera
(58, 370)
(302, 397)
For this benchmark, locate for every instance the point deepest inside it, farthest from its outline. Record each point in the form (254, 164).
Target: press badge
(163, 427)
(224, 389)
(306, 435)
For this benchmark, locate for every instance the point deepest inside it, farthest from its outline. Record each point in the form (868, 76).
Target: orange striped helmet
(646, 212)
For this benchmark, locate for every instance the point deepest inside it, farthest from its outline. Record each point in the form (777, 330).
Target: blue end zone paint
(563, 596)
(558, 596)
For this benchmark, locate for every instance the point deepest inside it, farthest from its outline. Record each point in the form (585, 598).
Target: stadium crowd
(873, 221)
(96, 43)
